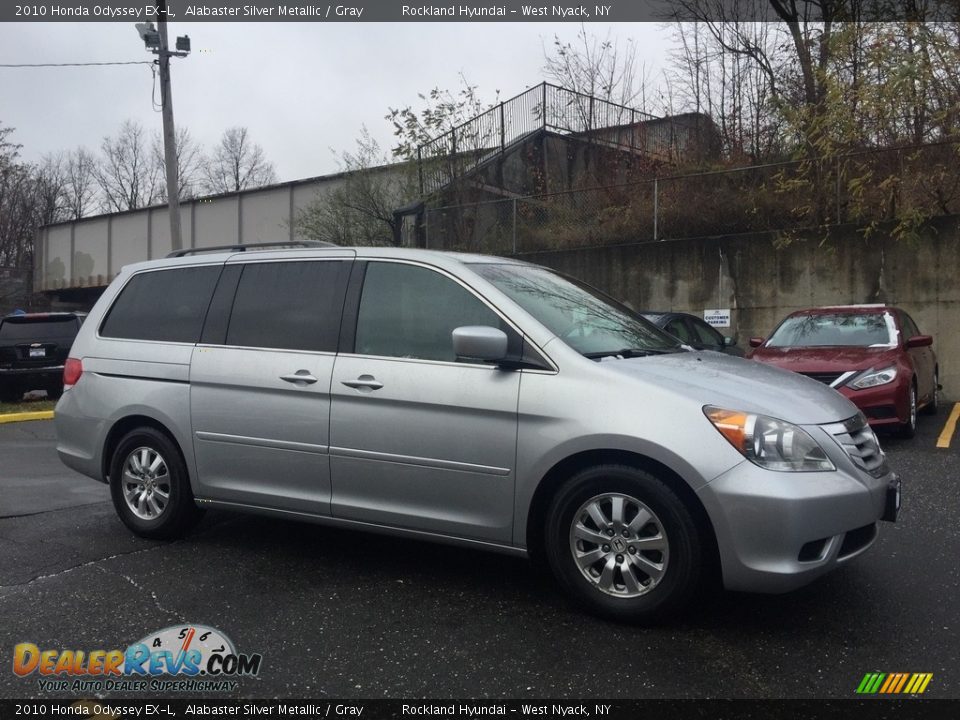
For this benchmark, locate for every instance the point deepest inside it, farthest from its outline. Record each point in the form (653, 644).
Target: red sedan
(873, 354)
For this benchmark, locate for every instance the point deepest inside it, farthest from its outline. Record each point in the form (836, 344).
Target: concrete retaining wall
(761, 280)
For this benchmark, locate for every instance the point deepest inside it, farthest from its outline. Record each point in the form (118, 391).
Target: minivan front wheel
(622, 543)
(150, 486)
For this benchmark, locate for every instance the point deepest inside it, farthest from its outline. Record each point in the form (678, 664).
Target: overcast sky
(301, 88)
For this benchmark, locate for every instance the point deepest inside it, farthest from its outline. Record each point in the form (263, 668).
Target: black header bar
(536, 709)
(468, 11)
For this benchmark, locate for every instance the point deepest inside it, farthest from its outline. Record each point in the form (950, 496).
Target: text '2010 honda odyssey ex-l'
(466, 399)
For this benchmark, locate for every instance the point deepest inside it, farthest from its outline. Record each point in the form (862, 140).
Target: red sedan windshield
(836, 329)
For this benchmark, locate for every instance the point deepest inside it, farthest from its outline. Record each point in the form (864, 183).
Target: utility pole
(169, 134)
(156, 41)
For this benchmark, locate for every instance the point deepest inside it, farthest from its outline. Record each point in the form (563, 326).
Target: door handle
(300, 377)
(363, 383)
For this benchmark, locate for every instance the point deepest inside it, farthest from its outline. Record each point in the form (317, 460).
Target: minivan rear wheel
(150, 486)
(623, 544)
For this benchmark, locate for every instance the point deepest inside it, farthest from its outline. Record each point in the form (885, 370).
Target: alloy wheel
(619, 545)
(146, 483)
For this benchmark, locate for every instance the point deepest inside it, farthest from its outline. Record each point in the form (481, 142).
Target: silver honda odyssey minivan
(466, 399)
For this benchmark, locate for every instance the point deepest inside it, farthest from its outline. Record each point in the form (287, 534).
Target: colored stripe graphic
(894, 683)
(903, 681)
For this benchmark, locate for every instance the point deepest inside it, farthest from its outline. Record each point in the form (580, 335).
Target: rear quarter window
(162, 305)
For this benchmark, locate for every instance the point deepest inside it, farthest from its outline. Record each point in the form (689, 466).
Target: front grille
(825, 378)
(860, 443)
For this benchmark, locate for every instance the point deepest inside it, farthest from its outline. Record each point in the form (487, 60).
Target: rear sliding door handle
(364, 382)
(300, 377)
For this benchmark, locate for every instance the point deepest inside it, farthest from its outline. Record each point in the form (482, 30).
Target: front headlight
(770, 443)
(873, 378)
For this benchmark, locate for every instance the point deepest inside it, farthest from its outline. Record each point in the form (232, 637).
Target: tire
(933, 406)
(150, 486)
(909, 428)
(54, 392)
(647, 572)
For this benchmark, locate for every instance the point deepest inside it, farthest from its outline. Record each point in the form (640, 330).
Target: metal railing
(901, 185)
(542, 107)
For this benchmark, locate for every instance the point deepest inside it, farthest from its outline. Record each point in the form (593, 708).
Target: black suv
(33, 349)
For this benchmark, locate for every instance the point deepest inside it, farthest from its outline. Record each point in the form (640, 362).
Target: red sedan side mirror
(918, 341)
(756, 341)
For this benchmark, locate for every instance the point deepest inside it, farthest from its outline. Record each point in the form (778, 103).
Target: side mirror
(729, 341)
(919, 341)
(756, 341)
(480, 342)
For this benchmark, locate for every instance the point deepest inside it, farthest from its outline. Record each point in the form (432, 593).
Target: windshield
(584, 318)
(836, 329)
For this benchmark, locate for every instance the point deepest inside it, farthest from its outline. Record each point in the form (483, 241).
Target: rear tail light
(72, 370)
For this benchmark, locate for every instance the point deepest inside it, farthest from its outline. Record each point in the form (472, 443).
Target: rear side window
(289, 305)
(163, 305)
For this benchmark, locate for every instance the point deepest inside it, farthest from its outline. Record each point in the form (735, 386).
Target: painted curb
(25, 416)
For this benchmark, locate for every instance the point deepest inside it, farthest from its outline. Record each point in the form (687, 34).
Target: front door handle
(363, 383)
(300, 377)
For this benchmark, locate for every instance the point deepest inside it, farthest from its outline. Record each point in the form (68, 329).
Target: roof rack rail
(244, 248)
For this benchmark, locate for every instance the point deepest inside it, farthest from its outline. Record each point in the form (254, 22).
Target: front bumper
(883, 405)
(778, 531)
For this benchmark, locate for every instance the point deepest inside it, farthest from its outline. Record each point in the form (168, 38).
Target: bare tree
(237, 163)
(360, 211)
(49, 186)
(18, 205)
(80, 189)
(728, 86)
(598, 67)
(189, 163)
(128, 173)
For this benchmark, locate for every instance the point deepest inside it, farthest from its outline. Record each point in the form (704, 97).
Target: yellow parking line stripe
(946, 435)
(21, 417)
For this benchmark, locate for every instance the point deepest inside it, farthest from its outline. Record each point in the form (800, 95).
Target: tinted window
(35, 330)
(706, 334)
(409, 311)
(910, 328)
(289, 305)
(167, 305)
(678, 328)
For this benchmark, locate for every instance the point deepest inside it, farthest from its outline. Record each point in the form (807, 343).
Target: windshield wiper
(626, 353)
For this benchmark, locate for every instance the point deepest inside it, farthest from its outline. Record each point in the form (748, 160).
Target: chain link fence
(905, 185)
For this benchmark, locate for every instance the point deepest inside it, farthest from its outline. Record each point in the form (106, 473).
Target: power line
(86, 64)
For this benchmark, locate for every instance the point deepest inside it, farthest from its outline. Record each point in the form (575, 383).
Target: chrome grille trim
(860, 443)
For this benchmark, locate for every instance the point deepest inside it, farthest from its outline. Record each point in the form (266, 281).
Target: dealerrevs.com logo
(894, 683)
(180, 658)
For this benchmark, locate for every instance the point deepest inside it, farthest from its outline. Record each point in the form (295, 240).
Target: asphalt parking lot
(337, 614)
